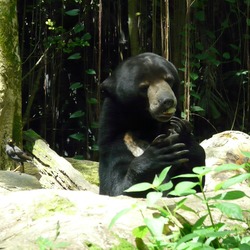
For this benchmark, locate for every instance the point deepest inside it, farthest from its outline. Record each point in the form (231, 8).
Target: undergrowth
(167, 229)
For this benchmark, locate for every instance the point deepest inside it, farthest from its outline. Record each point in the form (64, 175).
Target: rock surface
(80, 218)
(33, 219)
(17, 181)
(225, 148)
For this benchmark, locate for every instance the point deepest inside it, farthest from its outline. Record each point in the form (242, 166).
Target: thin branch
(36, 64)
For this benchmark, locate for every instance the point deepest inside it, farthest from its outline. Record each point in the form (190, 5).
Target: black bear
(138, 134)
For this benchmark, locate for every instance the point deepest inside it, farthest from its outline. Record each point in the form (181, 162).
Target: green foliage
(61, 40)
(47, 244)
(70, 42)
(77, 136)
(75, 86)
(67, 41)
(157, 184)
(166, 229)
(209, 52)
(73, 12)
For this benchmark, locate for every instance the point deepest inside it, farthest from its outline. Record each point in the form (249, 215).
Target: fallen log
(55, 171)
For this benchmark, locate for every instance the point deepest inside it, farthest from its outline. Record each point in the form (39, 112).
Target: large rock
(80, 218)
(14, 181)
(48, 217)
(225, 148)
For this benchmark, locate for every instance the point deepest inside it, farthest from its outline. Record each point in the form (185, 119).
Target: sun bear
(138, 134)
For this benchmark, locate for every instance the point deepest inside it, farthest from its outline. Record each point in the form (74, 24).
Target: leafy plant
(47, 244)
(71, 43)
(158, 232)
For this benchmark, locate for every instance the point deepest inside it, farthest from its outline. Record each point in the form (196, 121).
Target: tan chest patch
(134, 145)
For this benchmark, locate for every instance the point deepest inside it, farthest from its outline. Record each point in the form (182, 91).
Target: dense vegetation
(67, 50)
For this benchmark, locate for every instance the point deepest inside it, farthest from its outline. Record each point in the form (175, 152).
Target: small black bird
(16, 154)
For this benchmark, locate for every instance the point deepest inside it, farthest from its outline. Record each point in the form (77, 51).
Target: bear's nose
(167, 102)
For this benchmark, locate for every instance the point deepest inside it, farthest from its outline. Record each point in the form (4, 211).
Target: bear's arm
(120, 169)
(115, 159)
(196, 154)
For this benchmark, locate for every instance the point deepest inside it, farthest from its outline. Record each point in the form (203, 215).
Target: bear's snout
(167, 102)
(162, 101)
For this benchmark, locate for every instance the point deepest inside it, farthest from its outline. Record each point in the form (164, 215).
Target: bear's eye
(169, 79)
(143, 86)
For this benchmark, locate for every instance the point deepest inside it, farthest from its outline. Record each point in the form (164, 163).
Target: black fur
(140, 102)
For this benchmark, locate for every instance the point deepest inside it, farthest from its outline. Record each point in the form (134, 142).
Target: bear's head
(146, 82)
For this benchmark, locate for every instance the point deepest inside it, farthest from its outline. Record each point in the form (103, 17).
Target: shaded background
(67, 50)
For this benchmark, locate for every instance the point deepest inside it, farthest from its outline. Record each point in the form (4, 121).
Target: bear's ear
(108, 86)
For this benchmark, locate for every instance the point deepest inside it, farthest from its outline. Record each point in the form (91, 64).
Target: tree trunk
(133, 27)
(55, 172)
(10, 79)
(177, 28)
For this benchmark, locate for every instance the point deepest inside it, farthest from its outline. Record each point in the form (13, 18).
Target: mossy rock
(89, 169)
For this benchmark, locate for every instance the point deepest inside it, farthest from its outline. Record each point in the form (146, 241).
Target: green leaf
(156, 182)
(180, 203)
(236, 59)
(60, 245)
(232, 181)
(199, 46)
(75, 56)
(95, 147)
(226, 55)
(247, 154)
(139, 187)
(245, 239)
(200, 15)
(155, 225)
(186, 238)
(231, 210)
(78, 28)
(94, 125)
(194, 76)
(209, 233)
(189, 209)
(225, 24)
(242, 72)
(184, 188)
(244, 246)
(231, 195)
(140, 232)
(90, 72)
(119, 215)
(75, 85)
(202, 56)
(202, 170)
(165, 187)
(73, 12)
(248, 21)
(200, 222)
(78, 136)
(233, 46)
(197, 109)
(185, 176)
(86, 37)
(43, 243)
(153, 197)
(228, 167)
(163, 174)
(195, 95)
(77, 114)
(92, 101)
